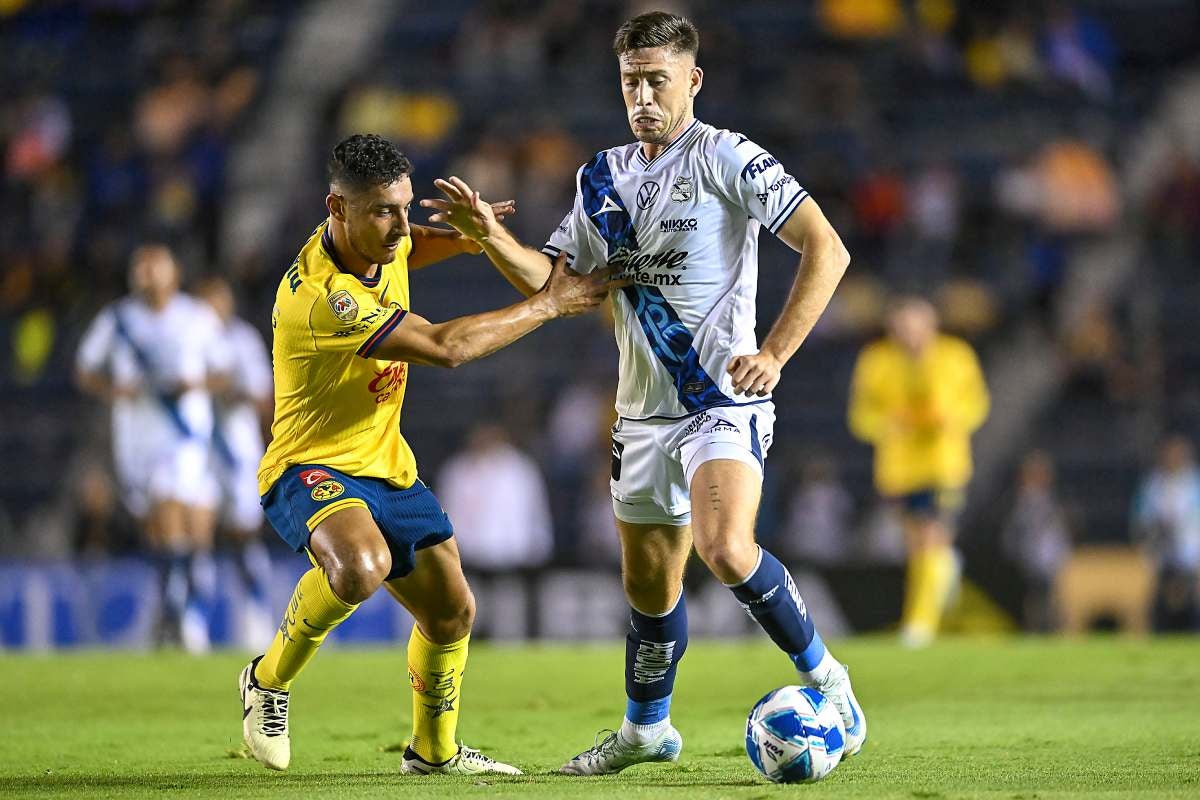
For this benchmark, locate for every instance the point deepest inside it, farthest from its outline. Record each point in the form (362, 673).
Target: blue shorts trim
(933, 502)
(307, 494)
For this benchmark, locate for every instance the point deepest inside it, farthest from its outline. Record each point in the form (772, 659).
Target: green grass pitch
(1016, 718)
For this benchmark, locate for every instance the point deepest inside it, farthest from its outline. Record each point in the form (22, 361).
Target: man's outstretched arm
(525, 268)
(449, 344)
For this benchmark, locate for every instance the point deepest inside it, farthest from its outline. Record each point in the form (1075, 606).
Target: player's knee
(650, 593)
(453, 620)
(358, 577)
(729, 560)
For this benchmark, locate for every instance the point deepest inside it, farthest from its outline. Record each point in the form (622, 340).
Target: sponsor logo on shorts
(311, 477)
(343, 306)
(327, 490)
(697, 423)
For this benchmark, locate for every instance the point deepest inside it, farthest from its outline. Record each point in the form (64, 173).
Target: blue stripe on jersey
(785, 214)
(669, 338)
(605, 208)
(672, 344)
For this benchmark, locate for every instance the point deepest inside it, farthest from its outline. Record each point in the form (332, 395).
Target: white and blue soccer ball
(795, 735)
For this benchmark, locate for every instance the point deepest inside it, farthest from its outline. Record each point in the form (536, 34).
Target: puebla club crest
(682, 190)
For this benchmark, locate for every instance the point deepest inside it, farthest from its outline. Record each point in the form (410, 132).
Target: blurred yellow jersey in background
(335, 405)
(919, 413)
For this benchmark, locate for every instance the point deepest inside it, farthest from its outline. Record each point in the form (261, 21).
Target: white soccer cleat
(614, 754)
(467, 761)
(836, 687)
(264, 721)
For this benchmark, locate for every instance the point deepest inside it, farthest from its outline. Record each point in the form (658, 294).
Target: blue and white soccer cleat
(836, 687)
(614, 754)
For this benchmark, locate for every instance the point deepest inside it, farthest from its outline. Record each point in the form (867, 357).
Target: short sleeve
(349, 318)
(97, 342)
(573, 236)
(754, 180)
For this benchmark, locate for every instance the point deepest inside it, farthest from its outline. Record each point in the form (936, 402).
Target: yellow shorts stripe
(323, 514)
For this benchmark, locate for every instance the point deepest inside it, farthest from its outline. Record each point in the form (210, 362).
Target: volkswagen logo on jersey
(682, 190)
(647, 194)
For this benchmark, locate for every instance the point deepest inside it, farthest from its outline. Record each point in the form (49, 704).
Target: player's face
(377, 219)
(659, 86)
(913, 326)
(153, 274)
(218, 295)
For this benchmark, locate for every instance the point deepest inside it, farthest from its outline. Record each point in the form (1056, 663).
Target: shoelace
(275, 713)
(471, 754)
(600, 749)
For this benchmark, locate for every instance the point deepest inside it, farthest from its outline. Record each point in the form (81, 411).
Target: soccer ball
(795, 735)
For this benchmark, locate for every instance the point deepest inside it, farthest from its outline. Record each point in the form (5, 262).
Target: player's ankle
(641, 735)
(819, 674)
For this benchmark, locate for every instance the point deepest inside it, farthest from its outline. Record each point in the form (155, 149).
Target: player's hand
(464, 211)
(570, 294)
(754, 375)
(504, 209)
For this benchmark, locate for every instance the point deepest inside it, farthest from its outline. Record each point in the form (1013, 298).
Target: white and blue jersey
(161, 434)
(684, 226)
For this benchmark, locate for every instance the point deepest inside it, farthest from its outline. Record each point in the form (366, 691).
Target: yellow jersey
(919, 413)
(336, 405)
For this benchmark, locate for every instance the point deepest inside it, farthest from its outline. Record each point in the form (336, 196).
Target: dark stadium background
(1033, 167)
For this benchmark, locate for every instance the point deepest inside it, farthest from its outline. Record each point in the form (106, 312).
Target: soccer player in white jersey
(680, 209)
(151, 355)
(242, 403)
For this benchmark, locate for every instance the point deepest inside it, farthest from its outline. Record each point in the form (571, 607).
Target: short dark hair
(657, 29)
(365, 160)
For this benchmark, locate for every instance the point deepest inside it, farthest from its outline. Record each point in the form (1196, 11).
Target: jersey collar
(687, 133)
(327, 243)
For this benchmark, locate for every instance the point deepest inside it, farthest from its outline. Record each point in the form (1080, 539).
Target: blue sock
(770, 595)
(653, 648)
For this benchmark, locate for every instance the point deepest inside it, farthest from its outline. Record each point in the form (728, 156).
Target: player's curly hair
(365, 160)
(657, 29)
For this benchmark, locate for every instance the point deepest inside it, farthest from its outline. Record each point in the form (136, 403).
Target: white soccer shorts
(152, 472)
(654, 460)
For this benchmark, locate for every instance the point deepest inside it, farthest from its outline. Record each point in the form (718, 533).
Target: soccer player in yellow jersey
(338, 480)
(917, 396)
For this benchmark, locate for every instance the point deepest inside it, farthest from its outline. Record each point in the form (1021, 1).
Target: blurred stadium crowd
(1031, 167)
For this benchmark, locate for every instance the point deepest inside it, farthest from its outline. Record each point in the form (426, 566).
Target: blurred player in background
(679, 211)
(917, 396)
(152, 355)
(338, 479)
(242, 404)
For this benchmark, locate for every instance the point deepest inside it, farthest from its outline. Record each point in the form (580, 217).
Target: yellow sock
(313, 612)
(930, 580)
(914, 578)
(436, 672)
